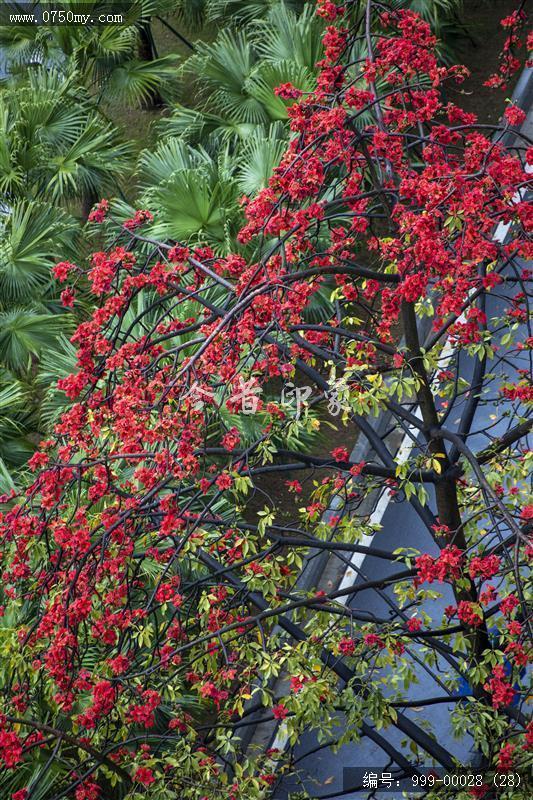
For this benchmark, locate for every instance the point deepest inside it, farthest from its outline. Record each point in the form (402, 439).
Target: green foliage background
(174, 111)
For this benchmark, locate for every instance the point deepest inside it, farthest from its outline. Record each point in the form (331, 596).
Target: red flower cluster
(132, 538)
(99, 212)
(501, 690)
(509, 61)
(62, 270)
(447, 567)
(138, 219)
(287, 91)
(470, 613)
(484, 567)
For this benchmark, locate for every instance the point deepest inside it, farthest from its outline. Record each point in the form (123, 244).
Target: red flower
(470, 614)
(144, 776)
(99, 212)
(484, 567)
(287, 91)
(67, 298)
(139, 218)
(231, 439)
(294, 486)
(357, 468)
(479, 791)
(508, 604)
(297, 682)
(10, 748)
(38, 460)
(224, 481)
(340, 454)
(501, 690)
(514, 115)
(373, 640)
(89, 790)
(505, 757)
(529, 737)
(347, 646)
(514, 628)
(280, 711)
(62, 270)
(446, 567)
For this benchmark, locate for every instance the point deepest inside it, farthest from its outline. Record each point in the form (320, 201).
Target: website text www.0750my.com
(61, 17)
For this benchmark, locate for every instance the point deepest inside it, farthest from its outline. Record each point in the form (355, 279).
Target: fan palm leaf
(238, 73)
(245, 11)
(259, 154)
(106, 55)
(32, 237)
(223, 68)
(133, 82)
(12, 174)
(193, 206)
(53, 144)
(227, 62)
(192, 13)
(14, 450)
(24, 333)
(202, 126)
(195, 195)
(93, 162)
(268, 76)
(285, 36)
(49, 101)
(170, 156)
(55, 364)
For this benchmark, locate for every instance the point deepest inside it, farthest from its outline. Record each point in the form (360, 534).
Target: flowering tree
(149, 604)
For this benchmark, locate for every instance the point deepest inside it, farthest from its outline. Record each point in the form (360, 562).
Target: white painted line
(408, 442)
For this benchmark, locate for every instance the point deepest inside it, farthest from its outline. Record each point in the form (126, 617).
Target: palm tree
(117, 62)
(57, 156)
(33, 236)
(235, 76)
(247, 10)
(54, 145)
(194, 191)
(208, 156)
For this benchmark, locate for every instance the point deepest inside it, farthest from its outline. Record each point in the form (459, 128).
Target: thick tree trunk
(88, 200)
(147, 52)
(446, 498)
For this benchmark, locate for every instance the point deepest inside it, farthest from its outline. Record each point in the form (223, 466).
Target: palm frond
(202, 126)
(192, 205)
(19, 43)
(93, 162)
(7, 479)
(285, 36)
(25, 333)
(32, 237)
(245, 11)
(55, 364)
(12, 395)
(133, 82)
(225, 63)
(268, 76)
(170, 156)
(259, 154)
(192, 13)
